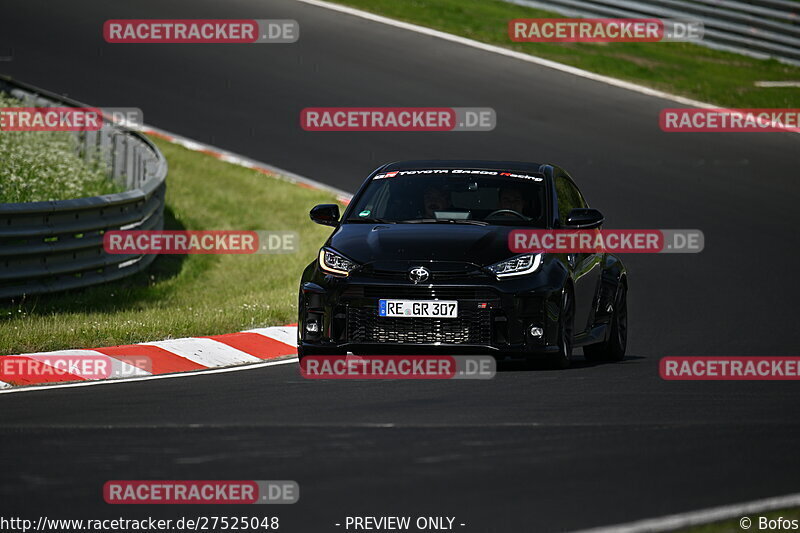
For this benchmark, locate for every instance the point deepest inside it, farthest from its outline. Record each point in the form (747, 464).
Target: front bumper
(494, 316)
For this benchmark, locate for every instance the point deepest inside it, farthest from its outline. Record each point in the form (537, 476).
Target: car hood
(367, 243)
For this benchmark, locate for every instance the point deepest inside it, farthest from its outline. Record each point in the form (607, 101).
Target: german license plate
(418, 308)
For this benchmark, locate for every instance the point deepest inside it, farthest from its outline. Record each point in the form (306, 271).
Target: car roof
(462, 163)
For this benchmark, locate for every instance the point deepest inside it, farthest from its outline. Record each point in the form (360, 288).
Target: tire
(614, 348)
(566, 322)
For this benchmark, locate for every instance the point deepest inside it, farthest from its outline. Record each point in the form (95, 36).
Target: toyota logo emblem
(419, 274)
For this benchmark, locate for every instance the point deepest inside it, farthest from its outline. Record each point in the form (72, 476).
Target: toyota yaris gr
(420, 263)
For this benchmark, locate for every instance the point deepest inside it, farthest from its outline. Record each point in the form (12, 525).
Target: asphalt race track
(527, 451)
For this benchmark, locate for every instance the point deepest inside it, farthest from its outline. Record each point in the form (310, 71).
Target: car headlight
(335, 263)
(517, 266)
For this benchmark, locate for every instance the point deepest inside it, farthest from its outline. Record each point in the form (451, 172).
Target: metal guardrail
(758, 28)
(58, 245)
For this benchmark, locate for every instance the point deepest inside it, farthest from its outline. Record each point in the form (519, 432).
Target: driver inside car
(435, 199)
(512, 199)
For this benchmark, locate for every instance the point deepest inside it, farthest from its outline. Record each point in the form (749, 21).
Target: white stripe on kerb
(284, 334)
(123, 369)
(206, 352)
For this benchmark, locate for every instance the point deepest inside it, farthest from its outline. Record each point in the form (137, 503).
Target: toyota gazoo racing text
(420, 263)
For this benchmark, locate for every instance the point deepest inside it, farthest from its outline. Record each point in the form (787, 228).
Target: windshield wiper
(469, 221)
(444, 221)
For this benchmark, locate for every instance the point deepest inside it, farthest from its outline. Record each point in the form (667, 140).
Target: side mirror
(584, 218)
(325, 214)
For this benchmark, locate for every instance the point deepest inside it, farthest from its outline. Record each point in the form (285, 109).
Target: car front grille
(473, 326)
(421, 292)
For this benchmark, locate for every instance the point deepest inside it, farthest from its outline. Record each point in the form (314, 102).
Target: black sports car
(420, 263)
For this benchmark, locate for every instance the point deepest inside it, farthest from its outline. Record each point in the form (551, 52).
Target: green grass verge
(187, 295)
(690, 70)
(37, 166)
(733, 526)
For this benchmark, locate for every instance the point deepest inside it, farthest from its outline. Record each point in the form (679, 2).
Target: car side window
(579, 197)
(568, 197)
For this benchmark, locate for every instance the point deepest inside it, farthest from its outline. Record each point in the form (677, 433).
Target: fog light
(536, 332)
(312, 326)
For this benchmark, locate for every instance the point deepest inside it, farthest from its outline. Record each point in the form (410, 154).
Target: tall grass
(39, 166)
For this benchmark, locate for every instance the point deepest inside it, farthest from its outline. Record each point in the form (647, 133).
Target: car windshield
(465, 196)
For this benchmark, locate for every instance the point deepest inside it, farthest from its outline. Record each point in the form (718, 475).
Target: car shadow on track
(578, 363)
